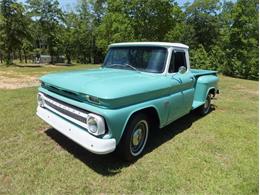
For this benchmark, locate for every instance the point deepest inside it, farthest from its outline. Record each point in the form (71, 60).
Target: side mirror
(182, 70)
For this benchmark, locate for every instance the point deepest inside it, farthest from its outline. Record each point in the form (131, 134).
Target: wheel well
(152, 115)
(212, 91)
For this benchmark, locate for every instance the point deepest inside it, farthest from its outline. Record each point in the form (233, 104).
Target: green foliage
(48, 17)
(114, 28)
(13, 28)
(217, 58)
(222, 35)
(202, 15)
(199, 58)
(244, 40)
(151, 20)
(68, 36)
(176, 32)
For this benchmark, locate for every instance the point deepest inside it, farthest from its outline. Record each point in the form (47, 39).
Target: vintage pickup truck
(141, 86)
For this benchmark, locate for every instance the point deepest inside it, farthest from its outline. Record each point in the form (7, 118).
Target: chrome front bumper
(77, 134)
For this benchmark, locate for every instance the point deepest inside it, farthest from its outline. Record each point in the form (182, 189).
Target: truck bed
(200, 72)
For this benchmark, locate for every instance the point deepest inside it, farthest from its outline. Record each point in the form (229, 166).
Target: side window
(178, 59)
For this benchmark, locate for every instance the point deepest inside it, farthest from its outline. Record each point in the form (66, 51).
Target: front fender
(117, 119)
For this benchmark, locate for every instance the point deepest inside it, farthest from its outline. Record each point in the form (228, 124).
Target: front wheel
(134, 138)
(205, 108)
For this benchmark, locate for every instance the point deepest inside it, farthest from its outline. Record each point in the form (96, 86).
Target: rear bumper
(77, 134)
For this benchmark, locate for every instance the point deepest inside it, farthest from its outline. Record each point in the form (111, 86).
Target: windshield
(147, 59)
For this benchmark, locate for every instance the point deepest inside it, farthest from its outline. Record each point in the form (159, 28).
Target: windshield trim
(140, 70)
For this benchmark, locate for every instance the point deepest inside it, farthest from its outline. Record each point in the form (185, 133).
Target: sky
(68, 4)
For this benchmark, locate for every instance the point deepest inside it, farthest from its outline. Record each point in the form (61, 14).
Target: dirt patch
(18, 82)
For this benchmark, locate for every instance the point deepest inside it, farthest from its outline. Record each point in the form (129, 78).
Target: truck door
(179, 71)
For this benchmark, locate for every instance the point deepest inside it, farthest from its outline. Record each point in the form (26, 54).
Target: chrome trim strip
(65, 108)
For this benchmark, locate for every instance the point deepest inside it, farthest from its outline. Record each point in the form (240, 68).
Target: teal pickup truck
(141, 86)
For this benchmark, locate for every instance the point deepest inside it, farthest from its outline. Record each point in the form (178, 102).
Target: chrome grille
(66, 112)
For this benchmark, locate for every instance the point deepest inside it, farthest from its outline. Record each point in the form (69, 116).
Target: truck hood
(113, 87)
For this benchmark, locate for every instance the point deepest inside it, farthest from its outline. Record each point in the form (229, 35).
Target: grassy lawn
(21, 76)
(23, 70)
(216, 154)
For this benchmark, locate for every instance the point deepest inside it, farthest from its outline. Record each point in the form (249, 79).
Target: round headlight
(95, 124)
(92, 125)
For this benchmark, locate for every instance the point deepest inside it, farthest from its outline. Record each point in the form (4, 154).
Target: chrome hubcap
(139, 137)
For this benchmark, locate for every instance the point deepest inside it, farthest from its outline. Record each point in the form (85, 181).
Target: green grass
(216, 154)
(22, 70)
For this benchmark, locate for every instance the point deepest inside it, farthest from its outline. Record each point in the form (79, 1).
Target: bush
(199, 58)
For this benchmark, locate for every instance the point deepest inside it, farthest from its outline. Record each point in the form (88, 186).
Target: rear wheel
(135, 137)
(205, 108)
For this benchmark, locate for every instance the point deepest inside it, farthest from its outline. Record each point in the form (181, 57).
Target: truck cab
(141, 86)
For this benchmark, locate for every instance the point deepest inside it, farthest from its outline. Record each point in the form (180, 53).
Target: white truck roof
(162, 44)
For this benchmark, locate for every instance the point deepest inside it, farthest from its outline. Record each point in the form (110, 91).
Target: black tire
(205, 108)
(135, 137)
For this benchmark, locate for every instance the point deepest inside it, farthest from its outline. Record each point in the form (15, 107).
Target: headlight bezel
(100, 124)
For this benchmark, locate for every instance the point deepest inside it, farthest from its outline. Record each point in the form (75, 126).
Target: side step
(196, 104)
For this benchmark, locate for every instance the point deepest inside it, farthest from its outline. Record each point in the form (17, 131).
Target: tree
(222, 34)
(199, 58)
(99, 8)
(226, 22)
(13, 27)
(114, 28)
(177, 29)
(48, 16)
(69, 36)
(151, 20)
(244, 40)
(135, 20)
(202, 17)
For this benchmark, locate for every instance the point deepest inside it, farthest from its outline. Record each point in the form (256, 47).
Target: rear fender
(204, 85)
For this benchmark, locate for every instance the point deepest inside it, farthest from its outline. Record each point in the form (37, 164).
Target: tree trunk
(1, 58)
(52, 59)
(12, 56)
(68, 59)
(8, 59)
(25, 56)
(20, 56)
(57, 58)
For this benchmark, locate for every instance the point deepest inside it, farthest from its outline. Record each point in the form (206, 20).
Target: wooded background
(222, 35)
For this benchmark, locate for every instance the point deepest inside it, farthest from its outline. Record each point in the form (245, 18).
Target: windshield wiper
(123, 65)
